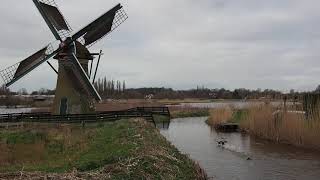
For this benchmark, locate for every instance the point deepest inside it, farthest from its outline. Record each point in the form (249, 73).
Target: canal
(242, 157)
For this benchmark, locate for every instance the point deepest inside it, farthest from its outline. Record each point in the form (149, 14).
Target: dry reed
(220, 116)
(284, 125)
(290, 127)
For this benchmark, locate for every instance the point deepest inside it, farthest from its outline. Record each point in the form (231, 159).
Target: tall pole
(90, 69)
(95, 73)
(52, 67)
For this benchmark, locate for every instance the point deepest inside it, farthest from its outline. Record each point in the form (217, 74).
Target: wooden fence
(143, 112)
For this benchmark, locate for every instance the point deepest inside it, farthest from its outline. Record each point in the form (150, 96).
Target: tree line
(110, 88)
(115, 89)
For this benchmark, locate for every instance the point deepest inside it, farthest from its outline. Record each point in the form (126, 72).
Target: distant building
(149, 97)
(39, 99)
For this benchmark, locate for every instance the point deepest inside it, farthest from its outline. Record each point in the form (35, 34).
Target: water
(14, 110)
(235, 104)
(269, 161)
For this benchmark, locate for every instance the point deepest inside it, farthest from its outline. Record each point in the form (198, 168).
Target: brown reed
(281, 124)
(220, 115)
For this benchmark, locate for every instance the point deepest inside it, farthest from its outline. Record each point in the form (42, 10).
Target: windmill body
(69, 95)
(75, 94)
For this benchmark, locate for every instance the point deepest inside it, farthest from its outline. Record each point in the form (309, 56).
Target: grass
(131, 149)
(26, 137)
(183, 112)
(238, 116)
(161, 118)
(273, 123)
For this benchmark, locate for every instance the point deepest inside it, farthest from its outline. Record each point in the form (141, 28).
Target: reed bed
(291, 127)
(280, 124)
(220, 116)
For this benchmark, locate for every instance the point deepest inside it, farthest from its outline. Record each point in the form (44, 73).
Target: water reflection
(269, 160)
(235, 104)
(162, 125)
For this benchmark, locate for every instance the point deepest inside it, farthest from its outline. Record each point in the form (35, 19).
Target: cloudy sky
(182, 43)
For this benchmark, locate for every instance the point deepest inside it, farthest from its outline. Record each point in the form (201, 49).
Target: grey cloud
(183, 43)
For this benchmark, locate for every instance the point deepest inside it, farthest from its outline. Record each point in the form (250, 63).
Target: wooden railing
(143, 112)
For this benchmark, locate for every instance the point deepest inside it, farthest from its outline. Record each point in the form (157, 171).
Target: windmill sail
(81, 79)
(101, 26)
(100, 30)
(19, 70)
(60, 28)
(55, 17)
(30, 62)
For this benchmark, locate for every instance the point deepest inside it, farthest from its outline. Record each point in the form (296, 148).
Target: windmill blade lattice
(15, 72)
(56, 18)
(101, 27)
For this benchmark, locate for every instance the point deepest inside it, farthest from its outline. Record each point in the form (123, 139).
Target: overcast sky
(182, 43)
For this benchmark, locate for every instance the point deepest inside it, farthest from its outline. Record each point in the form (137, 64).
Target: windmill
(75, 94)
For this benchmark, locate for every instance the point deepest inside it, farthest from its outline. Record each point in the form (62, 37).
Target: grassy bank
(122, 150)
(273, 123)
(189, 112)
(225, 115)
